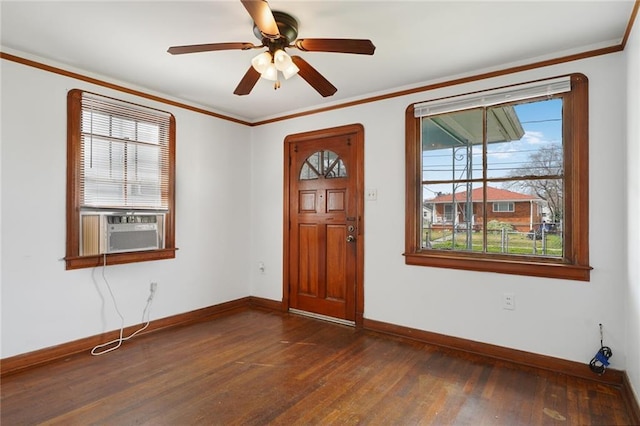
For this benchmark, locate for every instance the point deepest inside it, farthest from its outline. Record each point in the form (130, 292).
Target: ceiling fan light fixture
(281, 59)
(261, 62)
(284, 63)
(290, 71)
(271, 72)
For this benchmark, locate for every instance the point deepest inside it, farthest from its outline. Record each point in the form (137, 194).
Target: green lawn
(515, 242)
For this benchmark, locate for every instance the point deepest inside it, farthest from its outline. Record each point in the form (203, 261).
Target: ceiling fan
(278, 31)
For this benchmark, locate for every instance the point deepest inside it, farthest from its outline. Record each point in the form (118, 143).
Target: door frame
(357, 133)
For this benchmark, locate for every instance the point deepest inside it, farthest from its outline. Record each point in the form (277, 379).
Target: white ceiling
(416, 42)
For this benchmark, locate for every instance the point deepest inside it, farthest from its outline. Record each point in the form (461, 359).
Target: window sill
(80, 262)
(516, 266)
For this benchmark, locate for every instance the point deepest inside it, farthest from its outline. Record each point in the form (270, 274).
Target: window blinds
(125, 155)
(493, 97)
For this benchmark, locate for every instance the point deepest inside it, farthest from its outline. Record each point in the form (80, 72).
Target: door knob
(350, 238)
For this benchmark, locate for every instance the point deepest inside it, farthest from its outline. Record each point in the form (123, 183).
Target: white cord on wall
(98, 350)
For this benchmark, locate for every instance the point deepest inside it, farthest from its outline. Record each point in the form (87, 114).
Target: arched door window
(323, 164)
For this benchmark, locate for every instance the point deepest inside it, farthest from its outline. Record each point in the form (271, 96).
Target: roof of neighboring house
(493, 195)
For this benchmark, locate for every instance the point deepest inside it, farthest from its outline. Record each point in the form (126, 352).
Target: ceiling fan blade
(263, 17)
(338, 45)
(248, 81)
(195, 48)
(313, 77)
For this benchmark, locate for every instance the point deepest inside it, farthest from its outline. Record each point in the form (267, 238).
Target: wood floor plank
(256, 367)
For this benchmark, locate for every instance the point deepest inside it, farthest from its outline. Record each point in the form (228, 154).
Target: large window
(498, 180)
(120, 178)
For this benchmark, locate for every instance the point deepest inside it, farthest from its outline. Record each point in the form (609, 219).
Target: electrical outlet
(153, 287)
(261, 267)
(371, 194)
(509, 301)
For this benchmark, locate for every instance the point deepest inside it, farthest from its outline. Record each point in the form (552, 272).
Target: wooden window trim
(575, 263)
(73, 259)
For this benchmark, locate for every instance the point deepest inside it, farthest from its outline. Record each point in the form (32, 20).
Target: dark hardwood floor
(256, 367)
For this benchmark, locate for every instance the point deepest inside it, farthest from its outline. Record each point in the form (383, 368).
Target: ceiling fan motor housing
(287, 26)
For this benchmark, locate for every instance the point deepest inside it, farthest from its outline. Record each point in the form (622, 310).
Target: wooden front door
(323, 222)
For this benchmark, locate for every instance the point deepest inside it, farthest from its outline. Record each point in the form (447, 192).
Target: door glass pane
(311, 167)
(323, 164)
(333, 166)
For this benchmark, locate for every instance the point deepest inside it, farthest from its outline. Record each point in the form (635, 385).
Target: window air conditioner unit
(132, 233)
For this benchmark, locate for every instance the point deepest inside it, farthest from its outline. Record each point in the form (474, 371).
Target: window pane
(122, 128)
(548, 196)
(148, 132)
(121, 174)
(517, 231)
(452, 146)
(122, 161)
(524, 145)
(525, 139)
(452, 216)
(143, 179)
(95, 123)
(518, 221)
(503, 207)
(103, 166)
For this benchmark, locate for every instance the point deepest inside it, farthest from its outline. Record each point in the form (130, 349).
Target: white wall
(45, 305)
(552, 317)
(632, 53)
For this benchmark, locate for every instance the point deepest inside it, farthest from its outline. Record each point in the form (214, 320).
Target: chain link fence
(540, 242)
